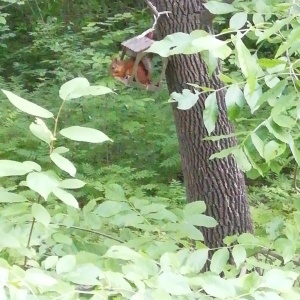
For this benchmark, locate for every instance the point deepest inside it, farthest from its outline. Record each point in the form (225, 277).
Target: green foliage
(134, 237)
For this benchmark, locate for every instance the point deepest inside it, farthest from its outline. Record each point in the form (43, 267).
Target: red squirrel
(124, 68)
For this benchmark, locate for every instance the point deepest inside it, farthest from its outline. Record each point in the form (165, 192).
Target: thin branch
(29, 240)
(91, 231)
(277, 256)
(156, 16)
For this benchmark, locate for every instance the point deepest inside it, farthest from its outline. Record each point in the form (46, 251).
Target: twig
(91, 231)
(156, 16)
(277, 256)
(29, 240)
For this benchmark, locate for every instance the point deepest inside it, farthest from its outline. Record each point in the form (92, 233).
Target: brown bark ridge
(219, 182)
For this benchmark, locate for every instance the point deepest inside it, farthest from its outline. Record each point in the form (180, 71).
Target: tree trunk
(218, 182)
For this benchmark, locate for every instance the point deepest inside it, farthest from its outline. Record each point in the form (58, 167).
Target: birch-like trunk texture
(218, 182)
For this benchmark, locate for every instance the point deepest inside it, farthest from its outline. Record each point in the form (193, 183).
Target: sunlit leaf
(219, 8)
(15, 168)
(186, 99)
(219, 260)
(40, 214)
(41, 131)
(8, 197)
(65, 264)
(63, 163)
(238, 20)
(84, 134)
(65, 197)
(210, 113)
(27, 106)
(239, 255)
(38, 278)
(174, 284)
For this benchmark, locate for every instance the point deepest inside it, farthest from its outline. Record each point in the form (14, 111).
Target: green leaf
(293, 37)
(109, 208)
(219, 8)
(60, 150)
(84, 134)
(202, 220)
(279, 280)
(71, 184)
(258, 144)
(27, 106)
(122, 252)
(258, 18)
(284, 121)
(286, 248)
(272, 150)
(40, 214)
(79, 87)
(196, 260)
(41, 131)
(241, 159)
(219, 260)
(247, 64)
(65, 264)
(196, 207)
(65, 197)
(252, 98)
(37, 277)
(43, 183)
(115, 192)
(210, 113)
(15, 168)
(223, 153)
(238, 20)
(239, 255)
(294, 150)
(279, 132)
(269, 63)
(218, 287)
(174, 284)
(233, 96)
(8, 197)
(50, 262)
(191, 231)
(185, 100)
(63, 163)
(274, 28)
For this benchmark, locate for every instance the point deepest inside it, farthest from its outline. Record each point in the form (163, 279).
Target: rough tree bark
(218, 182)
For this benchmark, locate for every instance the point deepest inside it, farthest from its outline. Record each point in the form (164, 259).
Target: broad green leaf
(219, 260)
(38, 278)
(258, 144)
(284, 121)
(252, 98)
(185, 100)
(122, 252)
(286, 248)
(27, 106)
(279, 280)
(219, 8)
(115, 192)
(43, 183)
(274, 28)
(279, 132)
(60, 150)
(41, 131)
(270, 63)
(271, 80)
(63, 163)
(284, 103)
(239, 255)
(79, 87)
(191, 231)
(223, 153)
(258, 18)
(174, 284)
(65, 264)
(247, 64)
(210, 113)
(218, 48)
(241, 159)
(40, 214)
(84, 134)
(71, 184)
(85, 275)
(233, 96)
(2, 20)
(65, 197)
(238, 20)
(202, 220)
(272, 150)
(292, 37)
(196, 207)
(294, 150)
(196, 260)
(15, 168)
(109, 208)
(50, 262)
(218, 287)
(8, 197)
(252, 162)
